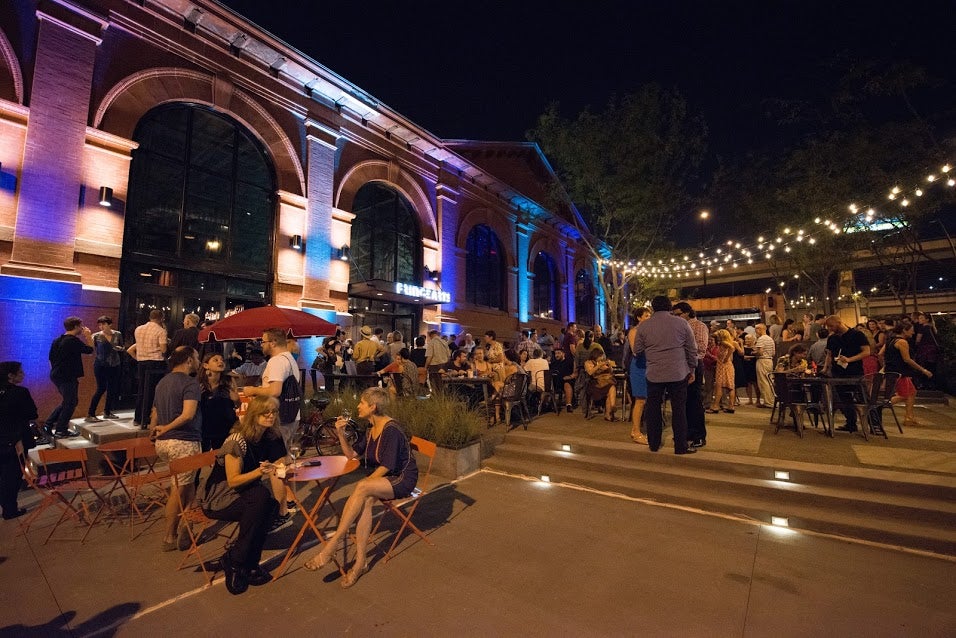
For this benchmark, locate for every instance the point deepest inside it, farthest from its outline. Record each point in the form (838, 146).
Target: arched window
(386, 242)
(199, 220)
(584, 298)
(484, 268)
(545, 300)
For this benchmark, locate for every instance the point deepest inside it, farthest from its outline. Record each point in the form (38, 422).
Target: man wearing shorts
(176, 424)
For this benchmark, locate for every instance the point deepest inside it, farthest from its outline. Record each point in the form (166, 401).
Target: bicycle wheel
(327, 440)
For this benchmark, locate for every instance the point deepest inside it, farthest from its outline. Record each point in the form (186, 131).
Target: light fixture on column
(295, 242)
(432, 275)
(341, 253)
(106, 196)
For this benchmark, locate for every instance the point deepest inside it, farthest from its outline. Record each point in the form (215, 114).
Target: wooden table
(326, 475)
(483, 382)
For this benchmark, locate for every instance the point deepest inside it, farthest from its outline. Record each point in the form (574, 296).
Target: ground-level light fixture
(779, 521)
(781, 475)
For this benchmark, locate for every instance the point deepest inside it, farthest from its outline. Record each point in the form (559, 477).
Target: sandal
(727, 411)
(640, 439)
(709, 411)
(353, 575)
(316, 562)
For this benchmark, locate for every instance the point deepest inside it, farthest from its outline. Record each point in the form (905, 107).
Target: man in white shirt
(535, 367)
(280, 366)
(149, 352)
(764, 349)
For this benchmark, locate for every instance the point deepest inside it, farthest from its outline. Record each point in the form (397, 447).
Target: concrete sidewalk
(930, 448)
(510, 557)
(518, 557)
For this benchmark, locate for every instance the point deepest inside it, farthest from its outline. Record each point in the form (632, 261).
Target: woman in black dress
(17, 409)
(386, 451)
(218, 402)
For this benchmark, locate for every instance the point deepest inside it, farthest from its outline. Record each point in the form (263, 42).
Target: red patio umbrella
(249, 324)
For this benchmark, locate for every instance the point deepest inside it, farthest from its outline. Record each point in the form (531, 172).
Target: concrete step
(911, 512)
(935, 397)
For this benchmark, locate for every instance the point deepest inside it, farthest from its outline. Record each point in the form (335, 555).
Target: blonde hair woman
(724, 381)
(387, 453)
(235, 491)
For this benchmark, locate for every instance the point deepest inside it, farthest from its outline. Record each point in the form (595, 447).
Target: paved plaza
(511, 556)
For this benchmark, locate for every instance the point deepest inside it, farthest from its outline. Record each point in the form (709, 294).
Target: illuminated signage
(429, 294)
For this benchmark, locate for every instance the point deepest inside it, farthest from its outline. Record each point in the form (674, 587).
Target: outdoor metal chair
(395, 506)
(71, 489)
(545, 395)
(192, 516)
(882, 388)
(514, 394)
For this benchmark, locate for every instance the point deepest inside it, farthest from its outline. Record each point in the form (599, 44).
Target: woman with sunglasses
(235, 491)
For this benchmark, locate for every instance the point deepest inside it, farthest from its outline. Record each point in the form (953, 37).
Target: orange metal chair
(149, 485)
(69, 489)
(192, 515)
(395, 506)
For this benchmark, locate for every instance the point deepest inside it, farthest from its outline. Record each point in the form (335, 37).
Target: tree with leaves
(630, 170)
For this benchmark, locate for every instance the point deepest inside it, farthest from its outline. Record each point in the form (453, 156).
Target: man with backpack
(280, 375)
(281, 380)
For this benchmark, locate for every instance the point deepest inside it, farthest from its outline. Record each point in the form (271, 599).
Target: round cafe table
(326, 474)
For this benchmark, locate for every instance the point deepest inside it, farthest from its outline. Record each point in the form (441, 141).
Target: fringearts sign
(429, 294)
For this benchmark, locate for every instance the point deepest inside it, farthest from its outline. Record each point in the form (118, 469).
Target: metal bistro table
(471, 382)
(326, 474)
(829, 388)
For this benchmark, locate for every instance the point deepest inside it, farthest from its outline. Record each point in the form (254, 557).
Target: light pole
(703, 217)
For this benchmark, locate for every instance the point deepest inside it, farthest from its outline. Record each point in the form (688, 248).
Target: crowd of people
(188, 397)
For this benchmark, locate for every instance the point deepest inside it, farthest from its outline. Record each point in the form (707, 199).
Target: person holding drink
(387, 453)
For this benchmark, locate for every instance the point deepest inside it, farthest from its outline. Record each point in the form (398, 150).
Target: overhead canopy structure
(249, 324)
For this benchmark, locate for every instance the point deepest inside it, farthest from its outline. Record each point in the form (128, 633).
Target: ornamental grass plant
(440, 418)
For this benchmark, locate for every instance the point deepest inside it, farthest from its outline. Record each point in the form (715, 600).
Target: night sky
(486, 70)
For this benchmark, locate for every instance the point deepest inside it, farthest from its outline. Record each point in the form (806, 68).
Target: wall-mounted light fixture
(342, 253)
(432, 275)
(106, 196)
(295, 242)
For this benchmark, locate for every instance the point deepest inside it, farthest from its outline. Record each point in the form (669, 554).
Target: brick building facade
(269, 210)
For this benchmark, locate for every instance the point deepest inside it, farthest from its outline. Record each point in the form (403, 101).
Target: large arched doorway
(199, 220)
(386, 249)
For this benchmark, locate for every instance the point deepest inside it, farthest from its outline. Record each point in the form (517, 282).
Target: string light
(738, 252)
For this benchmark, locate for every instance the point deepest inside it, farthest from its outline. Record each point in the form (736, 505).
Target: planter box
(453, 464)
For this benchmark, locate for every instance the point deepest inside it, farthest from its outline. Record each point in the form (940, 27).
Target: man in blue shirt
(668, 343)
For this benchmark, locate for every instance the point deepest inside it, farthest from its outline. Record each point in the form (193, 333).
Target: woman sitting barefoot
(235, 491)
(386, 450)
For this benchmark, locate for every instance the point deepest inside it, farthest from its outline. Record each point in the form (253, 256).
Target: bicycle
(319, 432)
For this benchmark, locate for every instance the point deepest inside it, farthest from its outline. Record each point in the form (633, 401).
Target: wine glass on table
(295, 449)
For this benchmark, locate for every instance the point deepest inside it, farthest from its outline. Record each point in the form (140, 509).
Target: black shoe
(47, 429)
(279, 522)
(237, 579)
(20, 512)
(689, 450)
(110, 416)
(697, 443)
(846, 428)
(65, 434)
(259, 576)
(568, 408)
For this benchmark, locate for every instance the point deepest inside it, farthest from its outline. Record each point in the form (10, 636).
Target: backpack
(290, 399)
